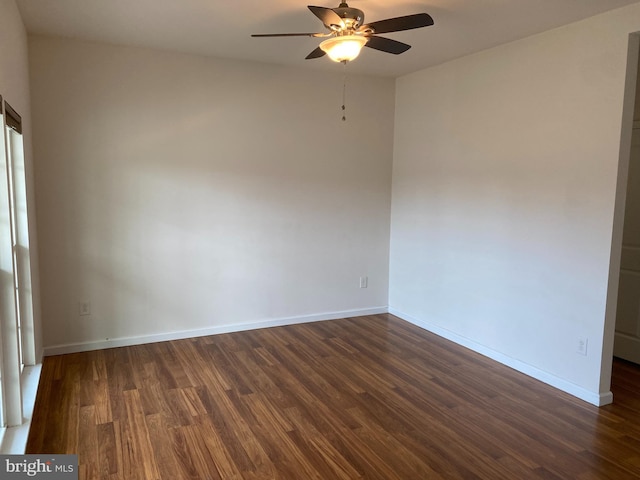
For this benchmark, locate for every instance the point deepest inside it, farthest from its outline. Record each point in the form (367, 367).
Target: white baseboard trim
(202, 332)
(597, 399)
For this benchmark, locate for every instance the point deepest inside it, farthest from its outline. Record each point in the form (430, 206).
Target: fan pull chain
(344, 92)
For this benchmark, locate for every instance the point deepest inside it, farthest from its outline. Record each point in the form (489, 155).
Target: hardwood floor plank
(370, 398)
(222, 458)
(88, 448)
(336, 457)
(228, 428)
(164, 453)
(107, 449)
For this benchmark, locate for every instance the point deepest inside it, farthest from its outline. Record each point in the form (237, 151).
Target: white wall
(14, 88)
(504, 183)
(182, 193)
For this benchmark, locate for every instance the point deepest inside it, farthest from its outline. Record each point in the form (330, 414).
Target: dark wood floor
(370, 397)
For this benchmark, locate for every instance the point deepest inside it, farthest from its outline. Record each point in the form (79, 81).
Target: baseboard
(597, 399)
(605, 398)
(201, 332)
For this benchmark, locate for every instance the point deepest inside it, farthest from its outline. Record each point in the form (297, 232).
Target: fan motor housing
(353, 17)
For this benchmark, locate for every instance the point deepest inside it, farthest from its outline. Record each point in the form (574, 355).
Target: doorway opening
(627, 326)
(622, 323)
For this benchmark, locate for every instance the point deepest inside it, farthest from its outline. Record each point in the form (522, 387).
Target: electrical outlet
(84, 308)
(581, 346)
(364, 282)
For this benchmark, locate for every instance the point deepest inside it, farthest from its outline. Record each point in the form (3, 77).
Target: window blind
(13, 120)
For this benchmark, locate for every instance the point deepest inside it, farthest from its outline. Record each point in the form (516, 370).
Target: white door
(627, 340)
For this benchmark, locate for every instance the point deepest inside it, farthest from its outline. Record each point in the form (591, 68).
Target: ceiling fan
(347, 34)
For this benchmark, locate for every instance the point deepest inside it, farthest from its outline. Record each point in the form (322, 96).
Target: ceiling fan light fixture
(343, 48)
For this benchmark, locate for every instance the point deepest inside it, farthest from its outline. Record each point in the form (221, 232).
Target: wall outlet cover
(84, 308)
(581, 346)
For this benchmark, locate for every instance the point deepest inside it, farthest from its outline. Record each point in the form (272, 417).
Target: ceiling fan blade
(387, 45)
(327, 16)
(317, 53)
(398, 24)
(289, 35)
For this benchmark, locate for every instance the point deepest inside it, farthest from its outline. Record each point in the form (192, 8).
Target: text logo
(51, 467)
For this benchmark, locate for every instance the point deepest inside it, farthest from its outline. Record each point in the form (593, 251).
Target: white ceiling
(223, 28)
